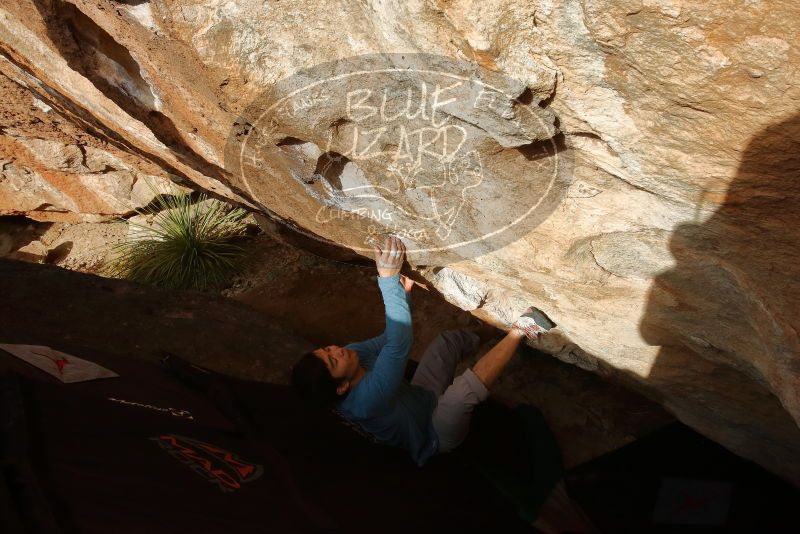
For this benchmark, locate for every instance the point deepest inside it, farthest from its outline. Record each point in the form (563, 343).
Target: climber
(364, 380)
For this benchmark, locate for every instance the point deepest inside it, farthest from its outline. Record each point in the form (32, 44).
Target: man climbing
(364, 380)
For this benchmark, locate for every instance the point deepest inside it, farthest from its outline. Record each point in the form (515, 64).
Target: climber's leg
(453, 412)
(491, 364)
(437, 367)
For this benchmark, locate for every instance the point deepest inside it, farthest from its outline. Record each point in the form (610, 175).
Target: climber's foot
(533, 323)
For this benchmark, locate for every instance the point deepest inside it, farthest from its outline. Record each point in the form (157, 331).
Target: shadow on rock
(59, 253)
(726, 315)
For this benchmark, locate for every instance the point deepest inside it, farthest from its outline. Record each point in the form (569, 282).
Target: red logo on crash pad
(220, 467)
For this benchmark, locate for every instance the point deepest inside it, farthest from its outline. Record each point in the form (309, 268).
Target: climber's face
(342, 363)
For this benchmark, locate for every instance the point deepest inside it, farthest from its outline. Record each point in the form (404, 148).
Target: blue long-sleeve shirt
(383, 403)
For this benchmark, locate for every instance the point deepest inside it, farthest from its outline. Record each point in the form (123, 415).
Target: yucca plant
(191, 243)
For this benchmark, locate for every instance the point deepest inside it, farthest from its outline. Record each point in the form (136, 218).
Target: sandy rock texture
(52, 170)
(632, 168)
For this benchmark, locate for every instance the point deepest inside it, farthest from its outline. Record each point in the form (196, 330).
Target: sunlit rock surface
(657, 141)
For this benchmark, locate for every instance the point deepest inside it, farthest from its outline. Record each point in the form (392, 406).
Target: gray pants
(457, 398)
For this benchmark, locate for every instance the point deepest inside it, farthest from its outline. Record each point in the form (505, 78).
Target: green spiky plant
(192, 243)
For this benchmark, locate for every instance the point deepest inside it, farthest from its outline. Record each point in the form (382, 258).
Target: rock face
(54, 171)
(632, 168)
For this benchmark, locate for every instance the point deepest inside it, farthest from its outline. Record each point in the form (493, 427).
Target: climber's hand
(389, 256)
(407, 283)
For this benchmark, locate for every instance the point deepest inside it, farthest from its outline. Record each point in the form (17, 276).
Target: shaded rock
(659, 154)
(202, 328)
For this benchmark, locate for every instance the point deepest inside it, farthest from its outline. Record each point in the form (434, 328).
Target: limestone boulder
(52, 170)
(629, 167)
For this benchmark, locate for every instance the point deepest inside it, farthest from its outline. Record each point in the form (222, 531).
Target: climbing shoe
(533, 323)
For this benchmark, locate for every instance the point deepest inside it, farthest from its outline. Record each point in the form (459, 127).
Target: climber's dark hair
(311, 378)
